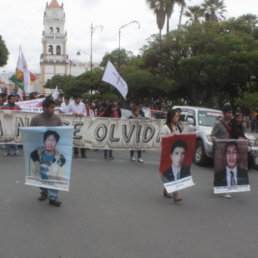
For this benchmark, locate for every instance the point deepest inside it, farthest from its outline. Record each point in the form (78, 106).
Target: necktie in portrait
(232, 179)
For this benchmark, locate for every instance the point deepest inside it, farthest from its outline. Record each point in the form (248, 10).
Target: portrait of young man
(232, 174)
(46, 162)
(177, 170)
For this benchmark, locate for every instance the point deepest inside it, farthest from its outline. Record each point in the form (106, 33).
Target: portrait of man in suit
(232, 174)
(177, 170)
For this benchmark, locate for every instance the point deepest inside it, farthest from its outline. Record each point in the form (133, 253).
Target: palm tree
(183, 5)
(169, 7)
(194, 13)
(158, 7)
(214, 10)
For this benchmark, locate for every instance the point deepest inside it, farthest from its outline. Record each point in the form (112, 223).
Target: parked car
(201, 121)
(154, 114)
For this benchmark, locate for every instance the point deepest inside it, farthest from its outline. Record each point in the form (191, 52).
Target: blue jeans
(52, 194)
(108, 152)
(8, 148)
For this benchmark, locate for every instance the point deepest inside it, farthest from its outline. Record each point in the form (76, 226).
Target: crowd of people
(76, 107)
(223, 129)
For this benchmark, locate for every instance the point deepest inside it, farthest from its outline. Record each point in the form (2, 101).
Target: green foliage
(248, 101)
(208, 63)
(113, 57)
(59, 81)
(3, 52)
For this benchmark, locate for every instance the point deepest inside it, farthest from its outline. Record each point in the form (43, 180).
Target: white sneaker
(227, 196)
(140, 160)
(132, 158)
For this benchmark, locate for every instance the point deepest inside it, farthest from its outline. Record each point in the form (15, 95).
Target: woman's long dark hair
(170, 115)
(108, 111)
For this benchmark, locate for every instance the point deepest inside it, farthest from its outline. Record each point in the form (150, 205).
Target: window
(51, 30)
(50, 49)
(57, 30)
(58, 50)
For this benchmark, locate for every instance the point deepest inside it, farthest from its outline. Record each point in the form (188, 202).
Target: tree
(182, 3)
(210, 65)
(169, 7)
(143, 85)
(194, 14)
(58, 81)
(158, 7)
(214, 10)
(3, 52)
(113, 57)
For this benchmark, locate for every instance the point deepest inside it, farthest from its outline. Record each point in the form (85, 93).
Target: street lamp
(78, 53)
(92, 30)
(119, 33)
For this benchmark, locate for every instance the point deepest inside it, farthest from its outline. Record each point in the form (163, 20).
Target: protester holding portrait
(169, 128)
(48, 118)
(231, 166)
(220, 130)
(176, 160)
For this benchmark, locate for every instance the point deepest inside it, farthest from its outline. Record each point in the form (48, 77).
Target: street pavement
(116, 209)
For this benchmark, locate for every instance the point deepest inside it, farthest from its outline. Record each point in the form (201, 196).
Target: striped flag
(22, 77)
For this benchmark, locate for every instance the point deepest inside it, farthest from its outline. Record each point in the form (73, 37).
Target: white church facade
(54, 59)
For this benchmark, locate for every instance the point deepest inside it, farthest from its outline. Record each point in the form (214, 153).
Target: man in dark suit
(177, 170)
(232, 174)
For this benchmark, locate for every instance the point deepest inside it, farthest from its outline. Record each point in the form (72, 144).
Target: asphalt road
(116, 209)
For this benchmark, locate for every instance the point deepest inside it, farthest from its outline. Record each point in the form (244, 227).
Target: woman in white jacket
(169, 128)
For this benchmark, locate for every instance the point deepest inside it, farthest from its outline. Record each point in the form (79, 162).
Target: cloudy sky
(21, 23)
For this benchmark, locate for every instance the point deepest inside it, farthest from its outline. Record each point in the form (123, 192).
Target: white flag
(55, 93)
(112, 77)
(22, 66)
(20, 93)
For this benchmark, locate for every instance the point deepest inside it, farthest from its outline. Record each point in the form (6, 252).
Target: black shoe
(55, 203)
(42, 197)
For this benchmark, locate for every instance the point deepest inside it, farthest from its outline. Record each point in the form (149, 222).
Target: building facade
(54, 59)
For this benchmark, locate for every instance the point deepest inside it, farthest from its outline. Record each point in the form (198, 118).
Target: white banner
(90, 132)
(232, 189)
(179, 184)
(34, 105)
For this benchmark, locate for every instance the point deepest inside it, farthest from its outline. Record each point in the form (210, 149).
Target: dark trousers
(76, 151)
(138, 152)
(108, 152)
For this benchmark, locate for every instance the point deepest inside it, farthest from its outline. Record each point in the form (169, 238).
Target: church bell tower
(53, 60)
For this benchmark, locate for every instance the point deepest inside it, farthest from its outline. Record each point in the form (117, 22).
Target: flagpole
(18, 56)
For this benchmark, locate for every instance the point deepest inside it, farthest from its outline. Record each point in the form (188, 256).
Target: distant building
(54, 60)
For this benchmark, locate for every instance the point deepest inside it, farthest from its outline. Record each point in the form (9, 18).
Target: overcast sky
(21, 23)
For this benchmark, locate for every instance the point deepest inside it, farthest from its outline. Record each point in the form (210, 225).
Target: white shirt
(74, 108)
(234, 170)
(64, 107)
(175, 171)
